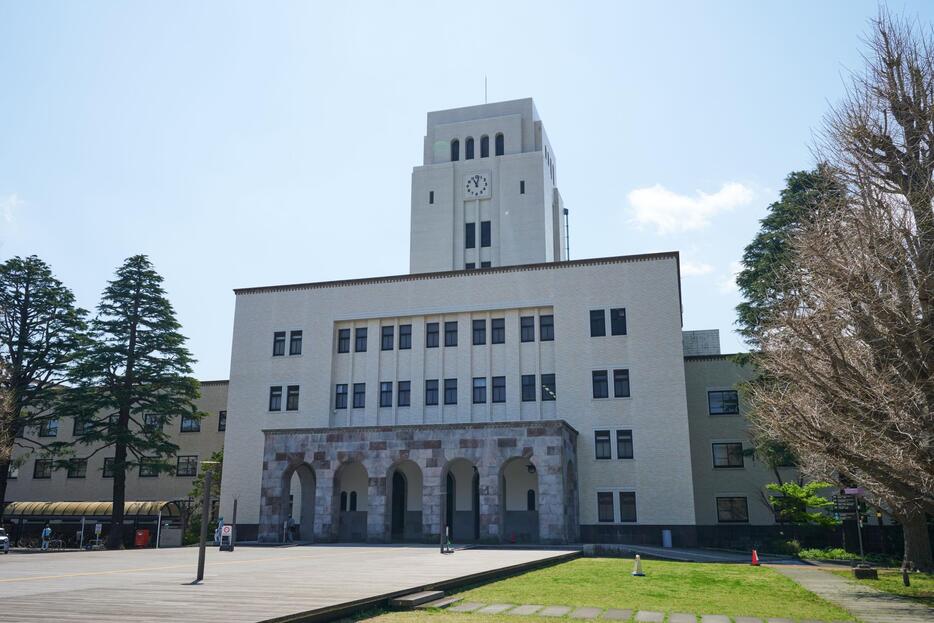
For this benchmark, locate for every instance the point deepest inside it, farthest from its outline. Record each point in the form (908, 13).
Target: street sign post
(226, 538)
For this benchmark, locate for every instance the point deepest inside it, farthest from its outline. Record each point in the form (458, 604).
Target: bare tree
(849, 353)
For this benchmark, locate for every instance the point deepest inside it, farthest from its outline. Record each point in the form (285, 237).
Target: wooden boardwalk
(249, 585)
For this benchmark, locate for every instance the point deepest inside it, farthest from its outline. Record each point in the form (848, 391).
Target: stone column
(490, 516)
(376, 531)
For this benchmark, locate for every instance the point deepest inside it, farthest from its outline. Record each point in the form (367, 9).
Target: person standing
(46, 537)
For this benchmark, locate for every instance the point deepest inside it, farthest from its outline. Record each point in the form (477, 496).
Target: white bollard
(637, 567)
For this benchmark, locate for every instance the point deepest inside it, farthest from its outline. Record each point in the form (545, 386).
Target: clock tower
(486, 193)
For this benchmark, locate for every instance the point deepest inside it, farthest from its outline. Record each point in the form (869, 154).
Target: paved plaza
(249, 585)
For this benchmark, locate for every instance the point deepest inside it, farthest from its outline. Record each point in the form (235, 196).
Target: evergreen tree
(40, 330)
(133, 379)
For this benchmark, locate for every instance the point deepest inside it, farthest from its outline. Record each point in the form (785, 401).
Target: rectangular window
(485, 236)
(385, 394)
(77, 468)
(498, 331)
(359, 395)
(624, 444)
(340, 396)
(627, 506)
(221, 421)
(360, 340)
(521, 187)
(431, 392)
(728, 454)
(621, 383)
(546, 328)
(499, 389)
(597, 323)
(485, 264)
(152, 422)
(470, 236)
(528, 388)
(479, 332)
(450, 333)
(405, 336)
(732, 510)
(549, 391)
(108, 471)
(404, 393)
(723, 402)
(186, 466)
(12, 472)
(148, 468)
(600, 384)
(431, 335)
(618, 321)
(275, 398)
(527, 328)
(479, 390)
(291, 398)
(389, 338)
(278, 344)
(343, 340)
(601, 444)
(189, 424)
(82, 427)
(470, 265)
(450, 391)
(295, 343)
(431, 197)
(42, 469)
(605, 512)
(48, 428)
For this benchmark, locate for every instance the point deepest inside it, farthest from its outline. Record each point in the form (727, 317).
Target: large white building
(499, 389)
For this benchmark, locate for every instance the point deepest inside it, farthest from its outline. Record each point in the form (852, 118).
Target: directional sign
(98, 528)
(227, 530)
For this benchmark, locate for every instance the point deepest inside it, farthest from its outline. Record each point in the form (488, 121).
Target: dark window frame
(359, 391)
(479, 390)
(343, 340)
(275, 398)
(602, 445)
(521, 187)
(498, 331)
(191, 466)
(618, 321)
(405, 337)
(731, 500)
(479, 331)
(623, 506)
(387, 337)
(431, 392)
(107, 471)
(431, 197)
(222, 421)
(455, 150)
(621, 383)
(549, 388)
(731, 454)
(602, 507)
(470, 236)
(730, 407)
(527, 328)
(46, 471)
(450, 333)
(529, 388)
(432, 334)
(340, 395)
(278, 344)
(147, 468)
(500, 144)
(485, 146)
(625, 447)
(74, 472)
(385, 394)
(295, 343)
(601, 385)
(597, 323)
(498, 391)
(189, 424)
(292, 397)
(403, 393)
(360, 340)
(450, 391)
(468, 148)
(546, 328)
(486, 234)
(48, 427)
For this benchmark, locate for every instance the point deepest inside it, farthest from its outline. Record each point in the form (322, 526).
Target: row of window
(601, 383)
(470, 235)
(603, 448)
(598, 322)
(291, 398)
(546, 332)
(185, 466)
(278, 343)
(434, 388)
(620, 507)
(499, 144)
(188, 424)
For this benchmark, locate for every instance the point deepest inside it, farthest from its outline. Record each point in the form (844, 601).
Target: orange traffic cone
(755, 558)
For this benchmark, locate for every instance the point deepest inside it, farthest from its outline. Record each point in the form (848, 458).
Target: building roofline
(719, 357)
(218, 382)
(426, 426)
(476, 272)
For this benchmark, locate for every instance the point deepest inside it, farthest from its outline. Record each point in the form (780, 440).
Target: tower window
(468, 148)
(521, 187)
(500, 144)
(431, 197)
(485, 233)
(484, 146)
(470, 236)
(455, 150)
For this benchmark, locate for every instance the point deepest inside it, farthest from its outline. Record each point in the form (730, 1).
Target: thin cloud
(727, 283)
(8, 207)
(694, 269)
(669, 212)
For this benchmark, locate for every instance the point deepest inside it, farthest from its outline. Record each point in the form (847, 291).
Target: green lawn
(890, 581)
(730, 589)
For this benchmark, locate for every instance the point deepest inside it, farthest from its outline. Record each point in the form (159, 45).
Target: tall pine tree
(133, 379)
(40, 330)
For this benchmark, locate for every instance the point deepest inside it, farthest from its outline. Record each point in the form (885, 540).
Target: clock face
(477, 185)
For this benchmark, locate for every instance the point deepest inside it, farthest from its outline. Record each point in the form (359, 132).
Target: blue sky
(243, 144)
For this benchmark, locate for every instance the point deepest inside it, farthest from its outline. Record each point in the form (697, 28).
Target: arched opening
(484, 146)
(500, 144)
(468, 148)
(405, 499)
(462, 501)
(350, 502)
(299, 486)
(519, 501)
(455, 150)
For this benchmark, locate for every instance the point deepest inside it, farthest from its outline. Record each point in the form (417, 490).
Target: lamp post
(205, 516)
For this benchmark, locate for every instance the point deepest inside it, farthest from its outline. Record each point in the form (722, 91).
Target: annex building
(499, 392)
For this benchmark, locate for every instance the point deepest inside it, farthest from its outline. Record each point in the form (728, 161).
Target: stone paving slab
(525, 610)
(616, 614)
(715, 618)
(554, 611)
(495, 608)
(467, 606)
(586, 613)
(747, 620)
(681, 617)
(650, 616)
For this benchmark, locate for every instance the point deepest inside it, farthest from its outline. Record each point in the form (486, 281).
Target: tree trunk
(115, 536)
(917, 541)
